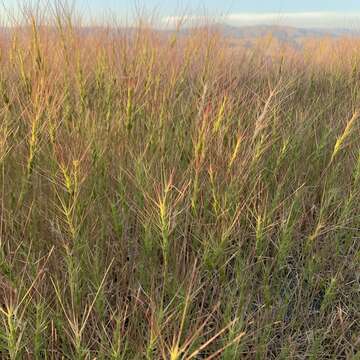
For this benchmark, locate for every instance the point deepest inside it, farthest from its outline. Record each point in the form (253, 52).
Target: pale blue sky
(303, 13)
(169, 6)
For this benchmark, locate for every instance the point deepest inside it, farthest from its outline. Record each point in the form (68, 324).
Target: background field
(173, 196)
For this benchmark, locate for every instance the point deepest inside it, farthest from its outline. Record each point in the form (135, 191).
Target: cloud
(342, 20)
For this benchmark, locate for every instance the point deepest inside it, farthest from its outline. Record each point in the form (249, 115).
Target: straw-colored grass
(162, 198)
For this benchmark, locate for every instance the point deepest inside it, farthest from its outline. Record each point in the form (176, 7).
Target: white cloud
(300, 19)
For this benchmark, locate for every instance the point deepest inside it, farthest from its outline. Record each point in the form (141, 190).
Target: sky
(169, 6)
(300, 13)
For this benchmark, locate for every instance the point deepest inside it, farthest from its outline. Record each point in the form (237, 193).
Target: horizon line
(305, 19)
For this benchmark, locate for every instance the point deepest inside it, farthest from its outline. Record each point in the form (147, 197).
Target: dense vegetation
(165, 198)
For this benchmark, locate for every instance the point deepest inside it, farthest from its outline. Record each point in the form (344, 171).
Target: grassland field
(168, 197)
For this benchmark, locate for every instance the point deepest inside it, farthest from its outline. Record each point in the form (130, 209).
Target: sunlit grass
(162, 198)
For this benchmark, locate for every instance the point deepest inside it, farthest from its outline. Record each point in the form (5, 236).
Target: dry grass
(162, 198)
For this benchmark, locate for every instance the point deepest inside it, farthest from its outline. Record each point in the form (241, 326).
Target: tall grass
(163, 197)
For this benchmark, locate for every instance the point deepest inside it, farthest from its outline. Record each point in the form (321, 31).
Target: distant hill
(282, 32)
(285, 34)
(247, 35)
